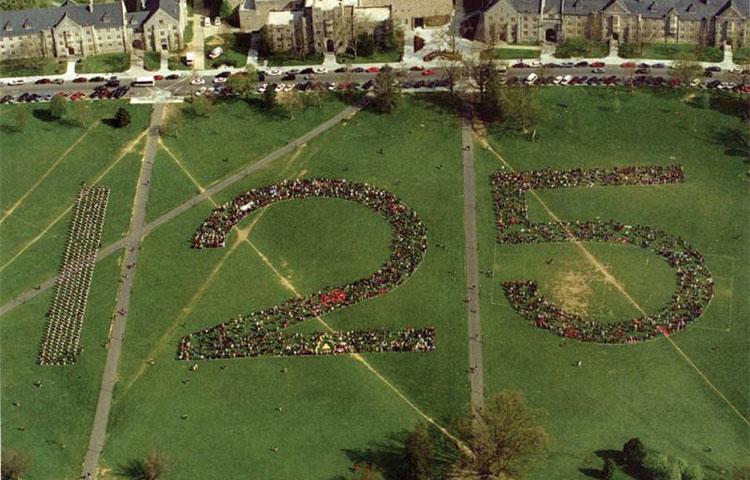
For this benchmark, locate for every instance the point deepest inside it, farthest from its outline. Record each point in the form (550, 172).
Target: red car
(43, 81)
(373, 70)
(80, 80)
(417, 68)
(597, 65)
(77, 96)
(628, 65)
(158, 77)
(428, 72)
(675, 82)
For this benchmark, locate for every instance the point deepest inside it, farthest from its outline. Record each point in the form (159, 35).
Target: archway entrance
(138, 44)
(551, 35)
(329, 45)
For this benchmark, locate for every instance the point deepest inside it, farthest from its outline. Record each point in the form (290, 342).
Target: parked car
(80, 80)
(644, 65)
(218, 79)
(320, 70)
(274, 72)
(341, 70)
(642, 71)
(306, 70)
(628, 65)
(262, 88)
(416, 68)
(736, 70)
(567, 65)
(17, 81)
(97, 79)
(158, 77)
(173, 76)
(43, 81)
(519, 65)
(373, 70)
(113, 83)
(597, 65)
(428, 72)
(551, 65)
(58, 81)
(531, 78)
(198, 81)
(566, 79)
(289, 77)
(713, 69)
(658, 65)
(582, 64)
(358, 70)
(598, 70)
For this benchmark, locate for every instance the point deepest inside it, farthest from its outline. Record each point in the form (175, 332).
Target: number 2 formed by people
(266, 332)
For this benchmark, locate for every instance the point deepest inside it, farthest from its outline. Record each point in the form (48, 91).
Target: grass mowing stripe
(622, 290)
(46, 174)
(31, 242)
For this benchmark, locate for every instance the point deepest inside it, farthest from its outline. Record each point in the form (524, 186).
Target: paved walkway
(216, 188)
(476, 369)
(137, 231)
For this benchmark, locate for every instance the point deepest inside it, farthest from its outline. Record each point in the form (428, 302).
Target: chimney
(91, 5)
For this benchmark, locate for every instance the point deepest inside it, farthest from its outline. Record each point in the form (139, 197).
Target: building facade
(74, 30)
(317, 26)
(701, 22)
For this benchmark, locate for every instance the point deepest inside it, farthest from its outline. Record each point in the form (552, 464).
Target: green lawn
(104, 63)
(670, 51)
(235, 48)
(511, 53)
(385, 56)
(31, 66)
(742, 55)
(188, 34)
(41, 183)
(236, 135)
(284, 60)
(56, 417)
(646, 390)
(578, 47)
(175, 62)
(334, 400)
(151, 60)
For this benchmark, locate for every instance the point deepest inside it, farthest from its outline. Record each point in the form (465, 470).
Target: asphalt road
(182, 86)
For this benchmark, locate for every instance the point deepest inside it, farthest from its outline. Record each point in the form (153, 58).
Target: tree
(387, 90)
(154, 467)
(686, 69)
(355, 36)
(418, 454)
(201, 107)
(269, 99)
(520, 108)
(13, 464)
(20, 118)
(609, 468)
(291, 102)
(365, 44)
(58, 107)
(243, 85)
(122, 118)
(634, 451)
(79, 114)
(172, 123)
(503, 439)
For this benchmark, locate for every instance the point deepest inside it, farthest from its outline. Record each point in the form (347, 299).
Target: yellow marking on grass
(124, 151)
(182, 167)
(356, 356)
(611, 279)
(54, 165)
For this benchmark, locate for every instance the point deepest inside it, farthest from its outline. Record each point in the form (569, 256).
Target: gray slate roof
(104, 15)
(685, 9)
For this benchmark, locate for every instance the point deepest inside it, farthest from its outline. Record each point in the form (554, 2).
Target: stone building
(74, 30)
(327, 25)
(704, 22)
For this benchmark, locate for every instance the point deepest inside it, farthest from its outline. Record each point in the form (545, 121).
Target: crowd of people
(60, 343)
(694, 283)
(265, 332)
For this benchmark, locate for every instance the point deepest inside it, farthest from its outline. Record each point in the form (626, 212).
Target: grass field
(104, 63)
(742, 55)
(383, 56)
(670, 51)
(38, 193)
(578, 47)
(31, 66)
(648, 390)
(511, 53)
(283, 60)
(326, 413)
(151, 60)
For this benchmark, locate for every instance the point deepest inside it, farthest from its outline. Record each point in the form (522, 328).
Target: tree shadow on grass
(636, 472)
(43, 115)
(133, 468)
(735, 141)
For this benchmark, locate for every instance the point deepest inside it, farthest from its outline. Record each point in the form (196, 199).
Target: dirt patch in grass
(571, 290)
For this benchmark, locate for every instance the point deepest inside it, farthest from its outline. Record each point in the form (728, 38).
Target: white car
(279, 88)
(198, 93)
(310, 76)
(17, 81)
(262, 87)
(220, 79)
(531, 79)
(274, 72)
(557, 80)
(320, 70)
(737, 70)
(288, 87)
(566, 79)
(695, 82)
(332, 86)
(535, 64)
(198, 81)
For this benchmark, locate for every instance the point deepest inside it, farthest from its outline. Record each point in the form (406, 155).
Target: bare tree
(291, 102)
(685, 68)
(504, 437)
(14, 463)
